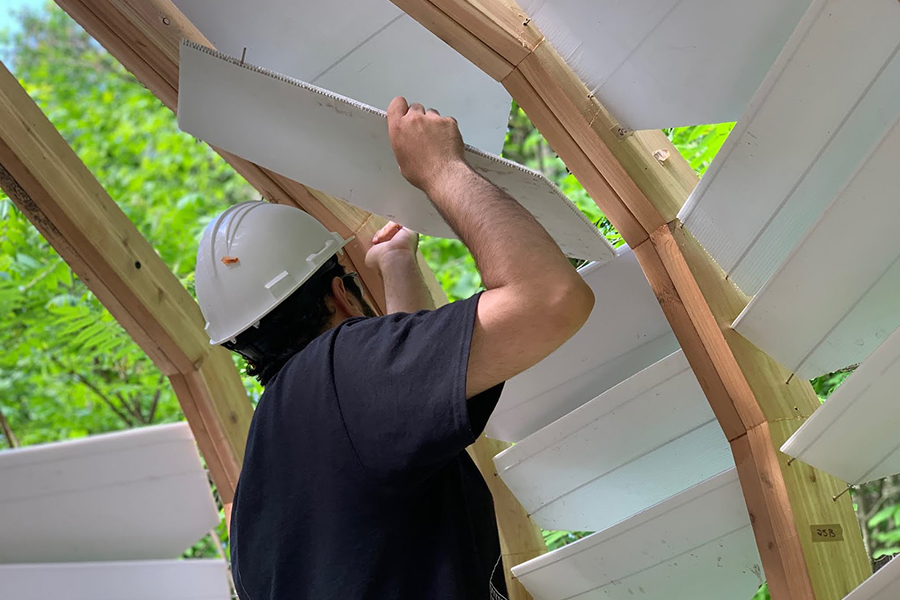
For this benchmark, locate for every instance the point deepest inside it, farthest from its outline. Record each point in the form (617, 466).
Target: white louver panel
(121, 580)
(822, 110)
(625, 333)
(648, 438)
(667, 63)
(883, 585)
(853, 435)
(804, 318)
(701, 535)
(140, 494)
(341, 147)
(364, 49)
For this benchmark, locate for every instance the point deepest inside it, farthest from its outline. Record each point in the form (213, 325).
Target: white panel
(625, 333)
(342, 147)
(646, 439)
(365, 49)
(854, 434)
(666, 63)
(802, 317)
(139, 494)
(121, 580)
(697, 545)
(883, 585)
(825, 104)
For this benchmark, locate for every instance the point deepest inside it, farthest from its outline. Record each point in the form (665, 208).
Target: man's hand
(393, 254)
(427, 146)
(392, 242)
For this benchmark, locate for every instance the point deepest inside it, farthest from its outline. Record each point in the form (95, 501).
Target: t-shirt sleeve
(401, 386)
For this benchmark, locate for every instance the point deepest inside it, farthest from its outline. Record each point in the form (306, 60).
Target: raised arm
(535, 300)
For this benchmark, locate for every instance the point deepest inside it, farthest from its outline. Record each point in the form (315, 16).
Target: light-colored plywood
(342, 147)
(854, 434)
(645, 440)
(121, 580)
(804, 321)
(139, 494)
(697, 545)
(819, 113)
(637, 56)
(625, 333)
(883, 585)
(365, 49)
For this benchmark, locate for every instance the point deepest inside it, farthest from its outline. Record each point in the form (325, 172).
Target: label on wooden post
(832, 532)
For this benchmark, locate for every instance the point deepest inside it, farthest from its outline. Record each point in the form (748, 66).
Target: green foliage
(699, 144)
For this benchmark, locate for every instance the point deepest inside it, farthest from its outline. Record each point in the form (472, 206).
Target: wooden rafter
(58, 194)
(745, 387)
(144, 35)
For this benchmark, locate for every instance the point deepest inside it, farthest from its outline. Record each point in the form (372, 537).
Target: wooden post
(641, 196)
(144, 35)
(53, 188)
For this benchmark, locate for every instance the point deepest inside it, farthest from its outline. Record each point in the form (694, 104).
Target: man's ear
(345, 305)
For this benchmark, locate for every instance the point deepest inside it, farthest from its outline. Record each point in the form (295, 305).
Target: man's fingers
(397, 108)
(416, 107)
(433, 111)
(387, 232)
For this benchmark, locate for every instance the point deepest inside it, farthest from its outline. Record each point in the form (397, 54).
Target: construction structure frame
(640, 189)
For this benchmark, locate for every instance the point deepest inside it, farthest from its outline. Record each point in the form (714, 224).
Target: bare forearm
(509, 245)
(404, 287)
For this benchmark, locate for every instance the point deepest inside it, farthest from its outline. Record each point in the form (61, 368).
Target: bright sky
(9, 7)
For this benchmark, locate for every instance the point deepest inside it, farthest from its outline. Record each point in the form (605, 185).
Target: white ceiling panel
(625, 333)
(120, 580)
(667, 63)
(883, 585)
(834, 300)
(645, 440)
(140, 494)
(819, 113)
(342, 147)
(701, 535)
(368, 50)
(853, 435)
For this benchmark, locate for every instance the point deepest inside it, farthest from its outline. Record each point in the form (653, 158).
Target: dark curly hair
(297, 321)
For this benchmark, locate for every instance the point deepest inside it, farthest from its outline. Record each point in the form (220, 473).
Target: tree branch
(88, 384)
(159, 388)
(11, 438)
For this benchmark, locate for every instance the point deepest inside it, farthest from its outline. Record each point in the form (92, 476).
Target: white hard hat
(252, 257)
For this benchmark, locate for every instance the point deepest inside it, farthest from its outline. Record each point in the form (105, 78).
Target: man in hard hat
(356, 483)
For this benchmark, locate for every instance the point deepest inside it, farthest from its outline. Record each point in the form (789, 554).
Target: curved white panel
(646, 439)
(139, 494)
(364, 49)
(625, 333)
(883, 585)
(823, 108)
(701, 535)
(806, 321)
(342, 147)
(853, 435)
(667, 63)
(120, 580)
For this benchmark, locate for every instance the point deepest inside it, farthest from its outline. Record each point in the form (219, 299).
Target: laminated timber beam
(145, 35)
(641, 196)
(53, 188)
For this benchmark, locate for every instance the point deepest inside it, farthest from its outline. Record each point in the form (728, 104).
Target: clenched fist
(427, 146)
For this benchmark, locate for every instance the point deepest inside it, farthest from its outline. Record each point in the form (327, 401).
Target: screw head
(166, 21)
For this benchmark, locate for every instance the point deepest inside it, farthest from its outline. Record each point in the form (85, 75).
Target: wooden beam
(58, 194)
(746, 389)
(145, 35)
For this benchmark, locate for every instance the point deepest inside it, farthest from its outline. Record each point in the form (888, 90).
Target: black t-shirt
(356, 483)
